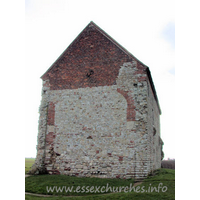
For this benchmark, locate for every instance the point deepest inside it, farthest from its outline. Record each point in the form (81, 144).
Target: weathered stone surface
(98, 113)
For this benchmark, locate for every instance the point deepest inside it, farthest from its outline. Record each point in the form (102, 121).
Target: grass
(28, 164)
(38, 184)
(164, 177)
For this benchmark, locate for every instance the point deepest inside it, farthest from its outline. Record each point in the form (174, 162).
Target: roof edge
(92, 24)
(105, 35)
(76, 38)
(115, 42)
(153, 88)
(129, 54)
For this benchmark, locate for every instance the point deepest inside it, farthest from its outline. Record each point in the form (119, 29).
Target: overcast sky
(145, 28)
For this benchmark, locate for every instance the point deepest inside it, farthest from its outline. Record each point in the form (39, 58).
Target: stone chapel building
(99, 113)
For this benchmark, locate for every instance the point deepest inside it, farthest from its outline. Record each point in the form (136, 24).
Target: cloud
(28, 5)
(168, 33)
(172, 71)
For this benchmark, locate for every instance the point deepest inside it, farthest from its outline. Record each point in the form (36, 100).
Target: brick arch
(130, 105)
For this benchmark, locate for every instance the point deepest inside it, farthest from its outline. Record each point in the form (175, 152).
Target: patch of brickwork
(51, 114)
(130, 105)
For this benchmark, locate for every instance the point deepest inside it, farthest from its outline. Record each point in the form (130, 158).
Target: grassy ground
(165, 178)
(28, 164)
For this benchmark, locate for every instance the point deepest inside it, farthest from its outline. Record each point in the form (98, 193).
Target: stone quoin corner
(99, 113)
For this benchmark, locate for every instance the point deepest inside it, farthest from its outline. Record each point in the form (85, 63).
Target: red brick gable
(91, 60)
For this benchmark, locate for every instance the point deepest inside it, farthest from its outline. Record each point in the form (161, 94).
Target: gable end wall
(98, 113)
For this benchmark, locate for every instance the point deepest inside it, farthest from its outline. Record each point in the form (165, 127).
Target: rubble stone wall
(103, 131)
